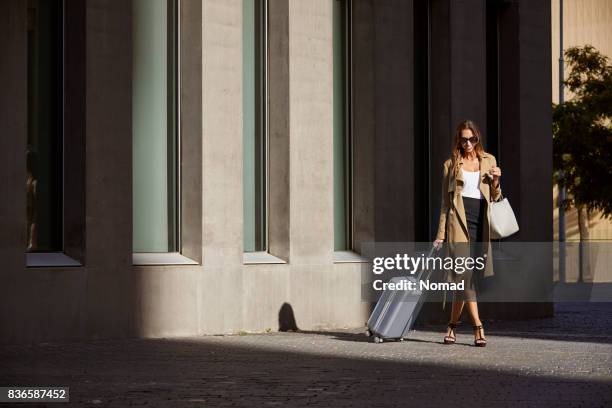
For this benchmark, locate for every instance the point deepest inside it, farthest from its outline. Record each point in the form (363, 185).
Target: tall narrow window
(255, 124)
(155, 135)
(341, 125)
(493, 98)
(44, 184)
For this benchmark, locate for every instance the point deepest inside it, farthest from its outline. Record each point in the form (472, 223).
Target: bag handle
(501, 195)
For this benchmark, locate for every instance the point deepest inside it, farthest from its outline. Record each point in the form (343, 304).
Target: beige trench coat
(452, 227)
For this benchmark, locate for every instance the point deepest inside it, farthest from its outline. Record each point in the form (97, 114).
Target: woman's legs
(474, 209)
(475, 212)
(456, 310)
(455, 314)
(472, 307)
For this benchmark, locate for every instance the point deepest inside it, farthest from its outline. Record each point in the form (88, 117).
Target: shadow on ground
(333, 369)
(221, 371)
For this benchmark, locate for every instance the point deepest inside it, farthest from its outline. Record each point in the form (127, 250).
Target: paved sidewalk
(562, 362)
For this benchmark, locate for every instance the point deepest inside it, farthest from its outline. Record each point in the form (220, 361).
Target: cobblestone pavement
(564, 361)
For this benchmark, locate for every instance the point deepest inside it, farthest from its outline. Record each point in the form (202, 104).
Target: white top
(471, 184)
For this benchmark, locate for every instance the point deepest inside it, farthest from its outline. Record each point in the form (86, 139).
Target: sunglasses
(473, 140)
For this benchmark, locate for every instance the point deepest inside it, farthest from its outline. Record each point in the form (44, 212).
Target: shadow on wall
(286, 318)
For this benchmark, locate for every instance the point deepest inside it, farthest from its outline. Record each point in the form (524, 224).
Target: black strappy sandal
(480, 341)
(451, 339)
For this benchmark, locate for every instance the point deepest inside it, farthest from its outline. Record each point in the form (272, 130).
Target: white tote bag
(502, 221)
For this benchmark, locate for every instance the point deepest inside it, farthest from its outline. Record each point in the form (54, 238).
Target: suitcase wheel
(368, 333)
(378, 339)
(401, 339)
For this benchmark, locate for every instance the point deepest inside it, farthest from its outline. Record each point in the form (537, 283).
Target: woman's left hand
(495, 172)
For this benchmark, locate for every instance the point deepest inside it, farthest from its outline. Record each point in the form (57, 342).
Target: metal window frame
(177, 126)
(262, 119)
(57, 257)
(264, 127)
(348, 113)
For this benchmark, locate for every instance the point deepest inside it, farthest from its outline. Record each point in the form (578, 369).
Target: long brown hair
(457, 149)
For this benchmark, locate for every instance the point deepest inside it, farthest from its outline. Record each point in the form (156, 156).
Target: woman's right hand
(438, 243)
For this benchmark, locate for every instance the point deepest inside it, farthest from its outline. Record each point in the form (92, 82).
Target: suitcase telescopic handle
(431, 251)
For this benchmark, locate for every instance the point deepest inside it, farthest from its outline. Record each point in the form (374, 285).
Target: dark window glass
(45, 126)
(341, 125)
(254, 124)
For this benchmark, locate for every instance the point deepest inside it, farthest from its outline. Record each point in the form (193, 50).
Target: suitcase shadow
(342, 336)
(362, 338)
(287, 323)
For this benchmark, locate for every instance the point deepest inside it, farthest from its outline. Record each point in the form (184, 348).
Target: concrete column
(440, 69)
(526, 140)
(74, 148)
(310, 124)
(191, 128)
(13, 136)
(311, 160)
(222, 157)
(526, 116)
(383, 127)
(364, 140)
(109, 168)
(278, 113)
(394, 110)
(458, 79)
(222, 132)
(468, 64)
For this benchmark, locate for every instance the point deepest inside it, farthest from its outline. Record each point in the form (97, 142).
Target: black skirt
(474, 214)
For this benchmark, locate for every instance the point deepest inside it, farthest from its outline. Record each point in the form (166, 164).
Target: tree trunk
(584, 273)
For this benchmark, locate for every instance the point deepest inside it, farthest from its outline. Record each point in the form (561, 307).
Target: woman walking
(470, 183)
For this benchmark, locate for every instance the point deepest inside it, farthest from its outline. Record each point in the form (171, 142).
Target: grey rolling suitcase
(396, 310)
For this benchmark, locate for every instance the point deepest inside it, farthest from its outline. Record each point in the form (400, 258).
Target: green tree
(582, 143)
(582, 132)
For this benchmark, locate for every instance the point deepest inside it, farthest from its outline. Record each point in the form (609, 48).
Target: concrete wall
(584, 22)
(224, 295)
(110, 297)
